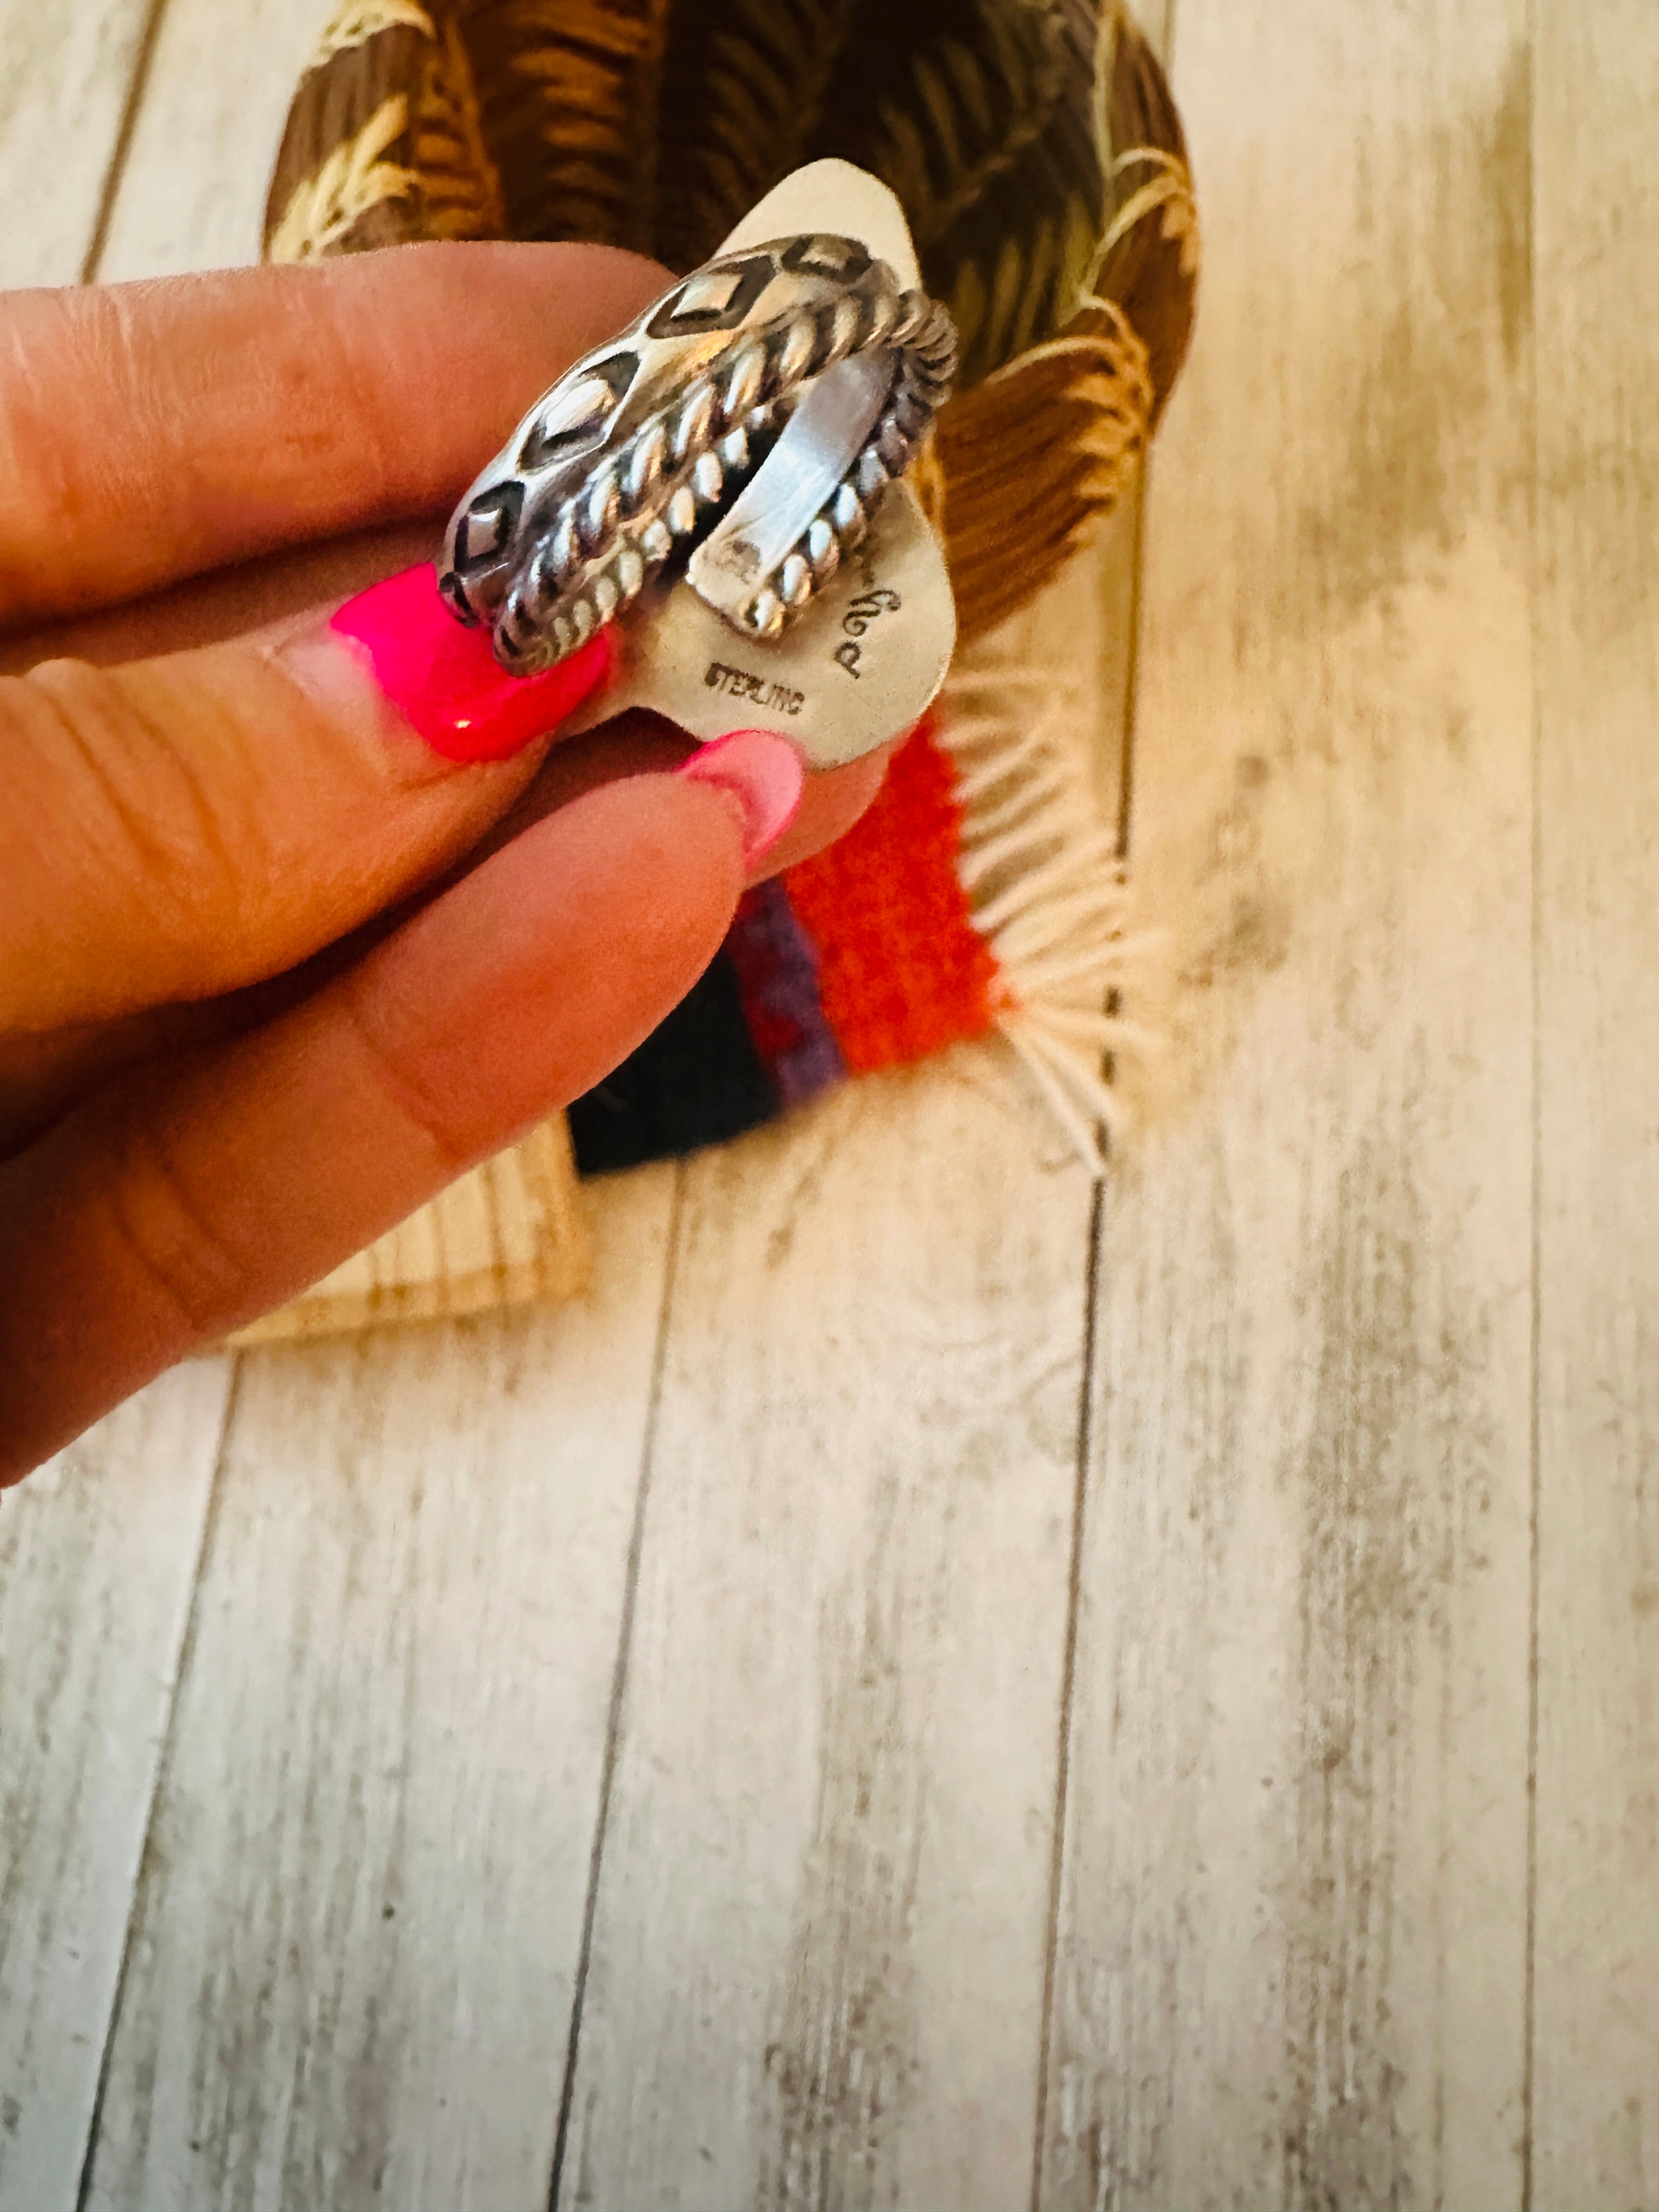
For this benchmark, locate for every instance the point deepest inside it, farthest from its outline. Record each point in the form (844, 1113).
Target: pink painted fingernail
(444, 680)
(763, 772)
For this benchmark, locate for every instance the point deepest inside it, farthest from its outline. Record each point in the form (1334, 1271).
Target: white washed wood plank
(896, 1974)
(193, 191)
(64, 73)
(356, 1934)
(818, 1966)
(98, 1550)
(1291, 1962)
(1595, 2101)
(98, 1553)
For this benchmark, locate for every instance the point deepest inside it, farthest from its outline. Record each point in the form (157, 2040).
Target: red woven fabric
(904, 972)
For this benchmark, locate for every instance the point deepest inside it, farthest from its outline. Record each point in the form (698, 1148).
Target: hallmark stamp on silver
(738, 683)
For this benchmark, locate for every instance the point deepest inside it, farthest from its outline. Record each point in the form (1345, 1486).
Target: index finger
(150, 431)
(175, 1205)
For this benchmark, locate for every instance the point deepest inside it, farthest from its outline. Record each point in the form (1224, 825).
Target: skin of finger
(209, 610)
(272, 587)
(178, 1205)
(42, 1076)
(179, 827)
(155, 430)
(641, 743)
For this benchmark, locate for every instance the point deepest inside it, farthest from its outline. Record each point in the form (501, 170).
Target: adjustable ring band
(775, 393)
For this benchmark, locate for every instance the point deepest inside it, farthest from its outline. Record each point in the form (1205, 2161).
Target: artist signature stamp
(869, 606)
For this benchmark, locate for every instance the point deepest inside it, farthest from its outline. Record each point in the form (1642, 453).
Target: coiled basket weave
(1040, 160)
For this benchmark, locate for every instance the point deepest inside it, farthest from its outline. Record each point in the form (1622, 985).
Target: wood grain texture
(817, 1967)
(1596, 2117)
(98, 1555)
(65, 78)
(1293, 1901)
(1293, 1907)
(97, 1551)
(359, 1911)
(206, 135)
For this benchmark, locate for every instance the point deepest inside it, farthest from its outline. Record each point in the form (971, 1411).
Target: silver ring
(774, 394)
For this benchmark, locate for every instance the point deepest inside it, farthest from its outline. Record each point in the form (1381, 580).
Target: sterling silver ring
(752, 417)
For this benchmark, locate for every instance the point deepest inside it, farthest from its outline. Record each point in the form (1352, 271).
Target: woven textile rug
(1040, 160)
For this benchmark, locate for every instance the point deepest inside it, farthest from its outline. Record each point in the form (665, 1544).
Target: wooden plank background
(1291, 1954)
(932, 1686)
(1594, 2096)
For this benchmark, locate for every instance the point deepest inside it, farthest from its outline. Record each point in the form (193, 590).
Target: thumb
(179, 827)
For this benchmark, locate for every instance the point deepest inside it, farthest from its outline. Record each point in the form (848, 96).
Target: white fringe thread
(1046, 884)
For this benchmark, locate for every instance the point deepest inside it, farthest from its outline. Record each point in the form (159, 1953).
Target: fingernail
(444, 680)
(763, 772)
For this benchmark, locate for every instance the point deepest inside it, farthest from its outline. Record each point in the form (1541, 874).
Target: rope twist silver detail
(641, 444)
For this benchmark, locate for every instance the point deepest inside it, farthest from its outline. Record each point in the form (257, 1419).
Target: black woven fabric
(697, 1080)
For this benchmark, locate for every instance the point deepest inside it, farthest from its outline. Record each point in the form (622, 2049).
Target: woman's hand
(260, 995)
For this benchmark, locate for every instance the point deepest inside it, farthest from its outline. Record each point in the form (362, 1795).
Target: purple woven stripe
(777, 969)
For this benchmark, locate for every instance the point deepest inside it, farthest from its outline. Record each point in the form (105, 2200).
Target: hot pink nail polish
(444, 680)
(763, 772)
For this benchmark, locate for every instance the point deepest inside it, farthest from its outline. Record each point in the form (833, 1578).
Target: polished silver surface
(774, 394)
(771, 523)
(859, 669)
